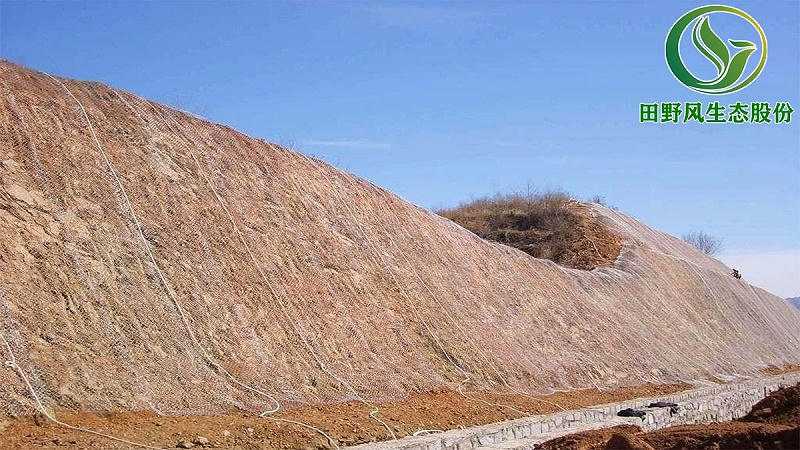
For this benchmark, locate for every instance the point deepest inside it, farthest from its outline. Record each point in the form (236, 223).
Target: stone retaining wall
(704, 405)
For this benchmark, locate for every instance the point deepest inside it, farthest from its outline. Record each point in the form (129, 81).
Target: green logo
(730, 68)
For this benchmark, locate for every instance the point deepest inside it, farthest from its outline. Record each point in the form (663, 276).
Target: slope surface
(152, 260)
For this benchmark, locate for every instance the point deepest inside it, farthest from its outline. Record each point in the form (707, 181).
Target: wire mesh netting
(152, 260)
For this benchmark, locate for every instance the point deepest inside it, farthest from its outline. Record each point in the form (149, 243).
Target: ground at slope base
(718, 436)
(348, 423)
(780, 407)
(773, 423)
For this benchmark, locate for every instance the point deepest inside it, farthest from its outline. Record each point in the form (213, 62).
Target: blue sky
(443, 102)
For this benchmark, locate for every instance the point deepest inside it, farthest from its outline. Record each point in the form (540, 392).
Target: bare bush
(704, 242)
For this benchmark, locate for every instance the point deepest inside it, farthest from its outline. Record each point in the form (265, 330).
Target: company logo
(730, 66)
(735, 63)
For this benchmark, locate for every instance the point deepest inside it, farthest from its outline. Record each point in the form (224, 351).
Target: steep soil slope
(156, 261)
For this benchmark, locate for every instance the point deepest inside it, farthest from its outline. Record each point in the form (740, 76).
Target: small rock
(226, 433)
(201, 440)
(249, 431)
(184, 444)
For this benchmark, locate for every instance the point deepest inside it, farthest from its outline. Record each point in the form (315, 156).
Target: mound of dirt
(780, 407)
(548, 225)
(626, 442)
(725, 436)
(593, 439)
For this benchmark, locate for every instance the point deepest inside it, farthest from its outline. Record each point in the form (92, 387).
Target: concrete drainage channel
(704, 405)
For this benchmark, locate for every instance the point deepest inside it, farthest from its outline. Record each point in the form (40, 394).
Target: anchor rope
(269, 285)
(455, 322)
(273, 291)
(337, 188)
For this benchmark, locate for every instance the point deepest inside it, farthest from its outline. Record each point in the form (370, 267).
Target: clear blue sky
(441, 102)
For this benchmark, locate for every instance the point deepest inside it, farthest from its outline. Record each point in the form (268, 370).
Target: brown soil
(627, 442)
(720, 436)
(723, 436)
(716, 380)
(780, 411)
(781, 407)
(772, 370)
(590, 439)
(548, 226)
(348, 423)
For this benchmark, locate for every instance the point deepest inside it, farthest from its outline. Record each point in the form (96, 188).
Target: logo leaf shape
(711, 46)
(729, 70)
(730, 67)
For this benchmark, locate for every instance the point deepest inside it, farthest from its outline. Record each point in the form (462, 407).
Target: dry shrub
(548, 225)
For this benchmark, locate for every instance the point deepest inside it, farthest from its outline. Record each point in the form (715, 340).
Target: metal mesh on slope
(386, 298)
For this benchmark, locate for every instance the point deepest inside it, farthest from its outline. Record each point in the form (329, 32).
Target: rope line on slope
(161, 276)
(430, 331)
(615, 335)
(323, 366)
(59, 214)
(427, 288)
(696, 268)
(623, 342)
(346, 204)
(588, 376)
(274, 292)
(459, 327)
(628, 222)
(771, 312)
(466, 335)
(389, 270)
(699, 337)
(11, 363)
(277, 407)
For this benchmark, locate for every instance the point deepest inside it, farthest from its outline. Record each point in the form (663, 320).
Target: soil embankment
(153, 261)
